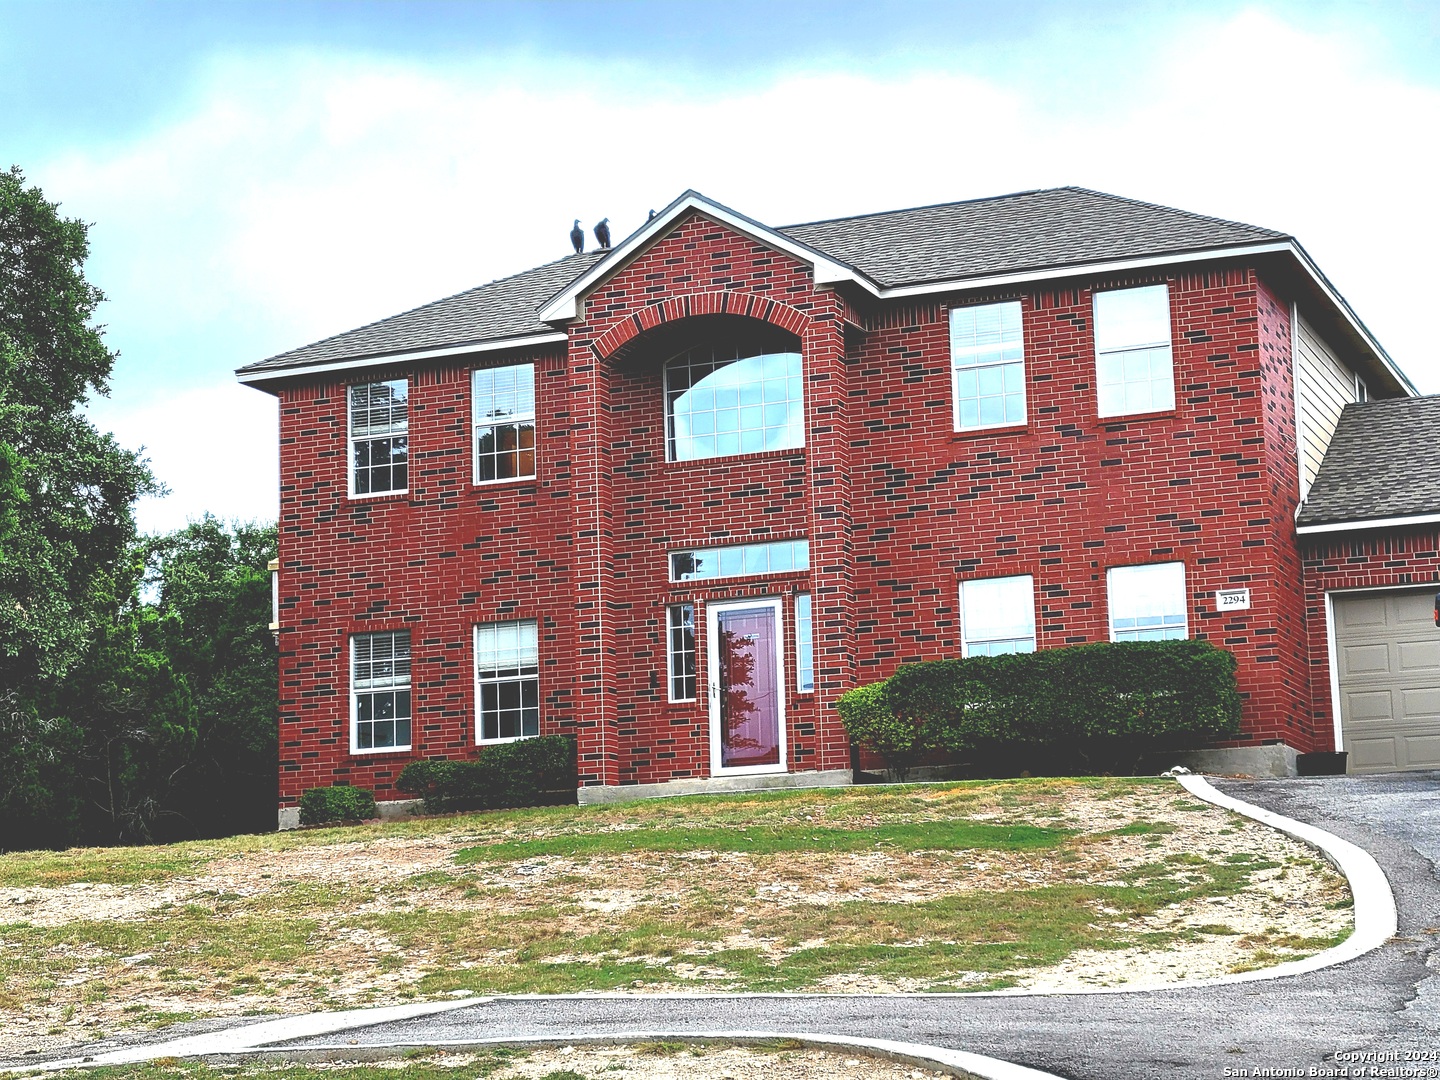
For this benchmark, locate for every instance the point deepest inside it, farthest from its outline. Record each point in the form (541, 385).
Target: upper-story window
(379, 437)
(1134, 369)
(725, 398)
(504, 408)
(987, 358)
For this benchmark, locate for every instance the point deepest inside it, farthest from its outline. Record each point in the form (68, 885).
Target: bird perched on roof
(652, 214)
(577, 237)
(602, 232)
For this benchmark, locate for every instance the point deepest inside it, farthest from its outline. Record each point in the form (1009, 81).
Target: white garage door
(1387, 649)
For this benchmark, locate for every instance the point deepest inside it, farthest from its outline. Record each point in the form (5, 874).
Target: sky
(261, 175)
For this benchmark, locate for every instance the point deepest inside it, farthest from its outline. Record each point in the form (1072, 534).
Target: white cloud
(214, 447)
(302, 195)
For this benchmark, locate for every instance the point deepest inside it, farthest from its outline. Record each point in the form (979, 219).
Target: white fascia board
(1053, 273)
(555, 337)
(565, 304)
(1373, 523)
(1341, 305)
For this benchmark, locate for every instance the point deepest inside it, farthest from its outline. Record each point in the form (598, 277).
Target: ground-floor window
(507, 682)
(680, 631)
(804, 645)
(997, 615)
(1147, 603)
(380, 691)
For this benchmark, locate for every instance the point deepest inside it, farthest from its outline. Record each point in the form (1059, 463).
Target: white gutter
(550, 337)
(1373, 523)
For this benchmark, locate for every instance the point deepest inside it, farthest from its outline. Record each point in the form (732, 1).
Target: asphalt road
(1387, 1002)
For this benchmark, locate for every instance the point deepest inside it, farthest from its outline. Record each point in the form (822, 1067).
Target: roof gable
(565, 303)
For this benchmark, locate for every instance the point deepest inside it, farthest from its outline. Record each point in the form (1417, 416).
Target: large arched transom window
(729, 397)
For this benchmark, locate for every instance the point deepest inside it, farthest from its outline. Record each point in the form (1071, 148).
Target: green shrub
(322, 805)
(528, 772)
(870, 722)
(1084, 708)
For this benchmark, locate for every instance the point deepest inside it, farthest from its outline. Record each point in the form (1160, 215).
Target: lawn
(950, 887)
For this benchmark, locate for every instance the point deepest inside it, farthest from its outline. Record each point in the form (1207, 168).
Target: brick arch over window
(730, 302)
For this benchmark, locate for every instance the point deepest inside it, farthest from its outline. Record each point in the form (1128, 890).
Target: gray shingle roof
(1030, 230)
(501, 309)
(1025, 231)
(1381, 463)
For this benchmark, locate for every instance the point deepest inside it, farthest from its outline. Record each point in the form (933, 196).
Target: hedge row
(1106, 704)
(530, 772)
(323, 805)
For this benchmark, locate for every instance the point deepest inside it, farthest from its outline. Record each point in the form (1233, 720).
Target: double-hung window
(380, 691)
(507, 682)
(504, 408)
(379, 437)
(997, 615)
(987, 359)
(680, 649)
(1134, 369)
(1147, 603)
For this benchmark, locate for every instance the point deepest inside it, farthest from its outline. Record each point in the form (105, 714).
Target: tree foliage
(137, 676)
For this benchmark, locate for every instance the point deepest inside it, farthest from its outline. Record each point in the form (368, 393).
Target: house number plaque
(1232, 600)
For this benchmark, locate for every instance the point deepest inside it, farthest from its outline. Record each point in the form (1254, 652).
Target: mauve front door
(746, 686)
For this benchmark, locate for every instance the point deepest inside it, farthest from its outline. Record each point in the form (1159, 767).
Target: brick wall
(897, 508)
(1397, 557)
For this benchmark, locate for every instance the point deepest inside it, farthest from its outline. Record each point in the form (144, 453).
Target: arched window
(725, 398)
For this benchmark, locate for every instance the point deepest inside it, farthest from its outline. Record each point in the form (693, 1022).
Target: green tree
(66, 493)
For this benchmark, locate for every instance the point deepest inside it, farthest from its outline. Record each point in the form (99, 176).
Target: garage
(1387, 662)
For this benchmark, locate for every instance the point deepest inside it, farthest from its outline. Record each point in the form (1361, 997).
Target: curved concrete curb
(1376, 919)
(939, 1058)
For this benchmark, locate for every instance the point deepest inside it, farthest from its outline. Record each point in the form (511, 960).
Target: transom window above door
(725, 397)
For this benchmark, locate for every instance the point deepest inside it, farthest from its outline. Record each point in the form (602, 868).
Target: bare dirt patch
(351, 922)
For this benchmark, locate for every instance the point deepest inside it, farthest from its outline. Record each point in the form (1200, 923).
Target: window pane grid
(681, 634)
(380, 445)
(507, 665)
(718, 403)
(804, 645)
(1147, 603)
(987, 356)
(503, 400)
(997, 615)
(740, 560)
(1135, 370)
(380, 689)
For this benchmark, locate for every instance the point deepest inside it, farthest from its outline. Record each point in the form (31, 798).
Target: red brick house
(676, 497)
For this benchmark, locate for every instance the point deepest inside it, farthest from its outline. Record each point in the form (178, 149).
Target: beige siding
(1323, 386)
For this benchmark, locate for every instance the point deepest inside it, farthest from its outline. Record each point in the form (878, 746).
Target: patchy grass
(922, 888)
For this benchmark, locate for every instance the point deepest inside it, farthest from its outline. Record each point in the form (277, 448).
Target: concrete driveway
(1386, 1002)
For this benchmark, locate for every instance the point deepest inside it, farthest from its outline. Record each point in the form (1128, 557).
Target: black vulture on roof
(602, 233)
(577, 237)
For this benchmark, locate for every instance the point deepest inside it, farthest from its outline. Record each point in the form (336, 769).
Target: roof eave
(1367, 524)
(264, 375)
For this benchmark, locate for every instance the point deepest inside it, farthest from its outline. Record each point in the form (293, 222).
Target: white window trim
(1110, 593)
(480, 740)
(712, 661)
(800, 667)
(350, 443)
(670, 561)
(1362, 392)
(1169, 344)
(355, 693)
(954, 372)
(518, 418)
(966, 641)
(668, 419)
(671, 655)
